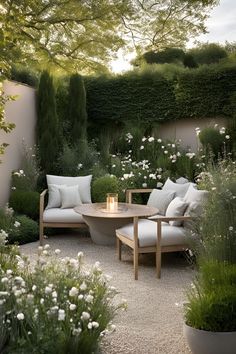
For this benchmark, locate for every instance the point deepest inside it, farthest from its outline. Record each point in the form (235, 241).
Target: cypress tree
(47, 123)
(77, 113)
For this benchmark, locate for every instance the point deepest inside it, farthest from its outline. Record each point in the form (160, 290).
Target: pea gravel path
(153, 322)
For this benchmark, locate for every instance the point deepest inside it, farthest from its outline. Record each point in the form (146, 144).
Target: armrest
(171, 218)
(129, 193)
(41, 204)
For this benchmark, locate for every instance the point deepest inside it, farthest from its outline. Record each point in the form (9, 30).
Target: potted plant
(210, 313)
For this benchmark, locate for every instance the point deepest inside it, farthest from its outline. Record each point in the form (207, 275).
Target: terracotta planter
(206, 342)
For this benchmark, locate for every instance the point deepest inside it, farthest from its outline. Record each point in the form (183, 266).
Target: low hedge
(25, 202)
(28, 231)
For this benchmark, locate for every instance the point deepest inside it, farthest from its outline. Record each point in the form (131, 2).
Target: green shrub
(28, 231)
(102, 186)
(25, 202)
(62, 307)
(25, 76)
(212, 141)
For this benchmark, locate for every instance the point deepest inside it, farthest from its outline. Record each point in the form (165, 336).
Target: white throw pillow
(160, 199)
(84, 183)
(54, 196)
(179, 189)
(176, 207)
(196, 195)
(194, 209)
(182, 180)
(70, 197)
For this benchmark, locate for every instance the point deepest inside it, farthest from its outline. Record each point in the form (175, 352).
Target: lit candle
(112, 202)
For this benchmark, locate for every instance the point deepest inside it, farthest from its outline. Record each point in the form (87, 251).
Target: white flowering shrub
(56, 307)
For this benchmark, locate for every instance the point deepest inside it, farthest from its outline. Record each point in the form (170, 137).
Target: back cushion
(179, 189)
(176, 207)
(160, 199)
(195, 195)
(84, 183)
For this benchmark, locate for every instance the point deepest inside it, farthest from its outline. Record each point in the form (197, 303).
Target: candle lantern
(112, 202)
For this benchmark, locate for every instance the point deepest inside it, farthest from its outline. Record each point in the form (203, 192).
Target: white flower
(83, 286)
(80, 255)
(76, 331)
(61, 315)
(96, 266)
(34, 287)
(72, 307)
(190, 154)
(73, 291)
(231, 228)
(48, 290)
(144, 139)
(54, 294)
(213, 188)
(42, 301)
(45, 252)
(90, 326)
(9, 272)
(151, 139)
(57, 251)
(227, 137)
(89, 298)
(173, 145)
(80, 297)
(85, 316)
(144, 185)
(141, 147)
(20, 316)
(17, 223)
(46, 247)
(159, 140)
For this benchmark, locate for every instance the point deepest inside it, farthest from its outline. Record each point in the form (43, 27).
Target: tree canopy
(84, 35)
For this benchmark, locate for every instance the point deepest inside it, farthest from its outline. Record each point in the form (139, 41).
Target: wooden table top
(125, 210)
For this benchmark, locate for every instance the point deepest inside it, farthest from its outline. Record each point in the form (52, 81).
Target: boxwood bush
(28, 231)
(103, 185)
(25, 202)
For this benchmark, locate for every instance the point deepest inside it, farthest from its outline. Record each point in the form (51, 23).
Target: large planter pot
(206, 342)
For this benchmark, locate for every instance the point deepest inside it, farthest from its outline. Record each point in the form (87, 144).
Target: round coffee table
(103, 224)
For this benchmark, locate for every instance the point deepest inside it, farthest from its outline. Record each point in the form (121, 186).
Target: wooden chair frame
(43, 224)
(158, 249)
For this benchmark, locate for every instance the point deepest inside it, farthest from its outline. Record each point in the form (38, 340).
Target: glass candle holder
(112, 202)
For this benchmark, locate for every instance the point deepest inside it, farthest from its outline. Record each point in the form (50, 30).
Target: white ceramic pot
(206, 342)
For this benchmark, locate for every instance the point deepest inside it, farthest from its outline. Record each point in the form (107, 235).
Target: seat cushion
(84, 183)
(62, 215)
(147, 233)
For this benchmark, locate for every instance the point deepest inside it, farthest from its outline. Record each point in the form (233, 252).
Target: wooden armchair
(151, 236)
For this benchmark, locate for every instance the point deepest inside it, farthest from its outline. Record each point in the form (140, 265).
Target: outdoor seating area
(118, 177)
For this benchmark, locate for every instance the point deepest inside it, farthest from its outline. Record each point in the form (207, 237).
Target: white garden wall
(22, 112)
(184, 129)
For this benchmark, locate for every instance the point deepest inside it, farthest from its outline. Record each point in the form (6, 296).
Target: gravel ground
(153, 322)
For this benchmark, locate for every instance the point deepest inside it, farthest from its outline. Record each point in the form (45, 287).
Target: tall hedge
(47, 123)
(77, 110)
(129, 98)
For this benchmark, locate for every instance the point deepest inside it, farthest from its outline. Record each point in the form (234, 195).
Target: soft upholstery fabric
(84, 183)
(147, 233)
(182, 180)
(176, 207)
(59, 215)
(160, 199)
(195, 195)
(54, 196)
(179, 189)
(70, 197)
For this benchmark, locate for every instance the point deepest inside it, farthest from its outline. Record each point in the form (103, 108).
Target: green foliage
(169, 55)
(209, 53)
(47, 124)
(20, 229)
(189, 61)
(204, 92)
(63, 308)
(212, 304)
(212, 299)
(24, 76)
(135, 97)
(28, 231)
(103, 185)
(25, 202)
(212, 141)
(77, 113)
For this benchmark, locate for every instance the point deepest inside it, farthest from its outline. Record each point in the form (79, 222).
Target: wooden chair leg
(158, 250)
(41, 229)
(119, 244)
(158, 264)
(135, 264)
(136, 248)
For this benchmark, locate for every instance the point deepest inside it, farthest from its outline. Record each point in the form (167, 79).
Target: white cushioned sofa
(64, 193)
(168, 231)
